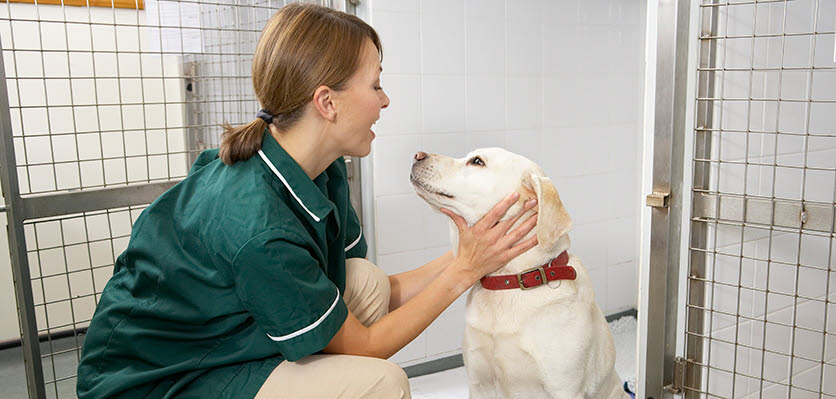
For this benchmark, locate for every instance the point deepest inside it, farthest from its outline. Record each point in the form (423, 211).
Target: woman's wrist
(460, 275)
(448, 258)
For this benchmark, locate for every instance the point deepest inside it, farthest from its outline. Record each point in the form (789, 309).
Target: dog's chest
(522, 350)
(511, 312)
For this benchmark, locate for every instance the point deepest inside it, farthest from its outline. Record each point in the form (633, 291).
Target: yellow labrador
(548, 340)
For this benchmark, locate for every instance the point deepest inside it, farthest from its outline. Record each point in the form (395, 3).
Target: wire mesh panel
(103, 96)
(761, 318)
(114, 99)
(71, 259)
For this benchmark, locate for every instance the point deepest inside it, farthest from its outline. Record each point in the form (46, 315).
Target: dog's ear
(553, 220)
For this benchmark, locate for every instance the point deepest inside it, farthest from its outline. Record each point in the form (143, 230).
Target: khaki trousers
(328, 376)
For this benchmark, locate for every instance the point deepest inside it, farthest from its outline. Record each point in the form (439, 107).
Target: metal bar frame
(17, 249)
(41, 206)
(673, 44)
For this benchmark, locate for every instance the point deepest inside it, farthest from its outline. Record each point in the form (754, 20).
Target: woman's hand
(485, 247)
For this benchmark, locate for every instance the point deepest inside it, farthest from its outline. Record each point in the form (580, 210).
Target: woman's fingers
(523, 246)
(507, 223)
(518, 233)
(461, 224)
(498, 211)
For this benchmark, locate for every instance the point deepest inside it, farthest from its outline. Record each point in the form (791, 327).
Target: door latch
(657, 200)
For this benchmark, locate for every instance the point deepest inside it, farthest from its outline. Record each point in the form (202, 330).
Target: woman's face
(359, 105)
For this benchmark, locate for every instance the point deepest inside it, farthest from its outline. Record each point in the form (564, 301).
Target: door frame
(672, 39)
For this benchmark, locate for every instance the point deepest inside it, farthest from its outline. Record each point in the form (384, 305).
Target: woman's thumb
(461, 224)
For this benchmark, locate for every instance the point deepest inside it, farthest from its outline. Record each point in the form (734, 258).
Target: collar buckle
(542, 277)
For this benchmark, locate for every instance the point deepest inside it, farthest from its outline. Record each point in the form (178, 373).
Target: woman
(246, 279)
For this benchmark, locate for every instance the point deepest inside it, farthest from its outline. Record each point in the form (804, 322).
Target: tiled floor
(452, 384)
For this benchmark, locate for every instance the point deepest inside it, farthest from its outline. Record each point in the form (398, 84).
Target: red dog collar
(557, 269)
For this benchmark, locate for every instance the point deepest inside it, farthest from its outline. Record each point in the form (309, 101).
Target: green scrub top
(227, 274)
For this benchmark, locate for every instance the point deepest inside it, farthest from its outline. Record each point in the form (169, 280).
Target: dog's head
(473, 185)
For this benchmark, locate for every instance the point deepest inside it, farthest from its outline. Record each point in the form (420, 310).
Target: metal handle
(658, 200)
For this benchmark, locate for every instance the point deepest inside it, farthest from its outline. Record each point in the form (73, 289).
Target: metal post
(667, 194)
(702, 149)
(195, 142)
(17, 248)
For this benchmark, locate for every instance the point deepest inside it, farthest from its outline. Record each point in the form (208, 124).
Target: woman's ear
(553, 220)
(323, 100)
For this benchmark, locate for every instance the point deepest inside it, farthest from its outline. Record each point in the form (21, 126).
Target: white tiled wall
(558, 82)
(775, 348)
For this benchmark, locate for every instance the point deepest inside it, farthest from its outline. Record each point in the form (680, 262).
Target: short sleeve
(355, 243)
(282, 285)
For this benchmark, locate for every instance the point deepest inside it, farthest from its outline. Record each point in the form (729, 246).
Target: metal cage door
(759, 199)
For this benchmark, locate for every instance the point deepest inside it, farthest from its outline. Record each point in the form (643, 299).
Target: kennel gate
(102, 109)
(745, 116)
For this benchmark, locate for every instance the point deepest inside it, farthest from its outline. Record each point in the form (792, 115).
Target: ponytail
(239, 143)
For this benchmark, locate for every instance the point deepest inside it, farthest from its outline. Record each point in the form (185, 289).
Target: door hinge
(657, 200)
(680, 368)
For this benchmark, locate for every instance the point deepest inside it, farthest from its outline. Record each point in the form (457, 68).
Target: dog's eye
(476, 161)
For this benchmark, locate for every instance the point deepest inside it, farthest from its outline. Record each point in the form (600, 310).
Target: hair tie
(265, 116)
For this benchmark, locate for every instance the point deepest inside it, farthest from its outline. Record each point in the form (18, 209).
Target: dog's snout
(420, 156)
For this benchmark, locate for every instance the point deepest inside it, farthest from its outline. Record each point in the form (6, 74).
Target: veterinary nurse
(247, 279)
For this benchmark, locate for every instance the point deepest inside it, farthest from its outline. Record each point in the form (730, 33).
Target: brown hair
(302, 47)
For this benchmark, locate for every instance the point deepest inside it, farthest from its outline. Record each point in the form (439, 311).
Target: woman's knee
(394, 380)
(349, 377)
(383, 287)
(367, 290)
(368, 271)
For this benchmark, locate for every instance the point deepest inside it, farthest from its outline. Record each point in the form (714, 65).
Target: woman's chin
(367, 147)
(361, 151)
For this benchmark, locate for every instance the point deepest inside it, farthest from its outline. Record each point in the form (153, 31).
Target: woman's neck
(307, 146)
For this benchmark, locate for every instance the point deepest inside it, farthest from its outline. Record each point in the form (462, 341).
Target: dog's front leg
(478, 361)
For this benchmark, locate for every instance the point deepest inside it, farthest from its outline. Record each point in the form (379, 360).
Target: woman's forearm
(395, 330)
(404, 286)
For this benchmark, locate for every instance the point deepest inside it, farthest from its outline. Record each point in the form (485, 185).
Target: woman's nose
(420, 156)
(385, 102)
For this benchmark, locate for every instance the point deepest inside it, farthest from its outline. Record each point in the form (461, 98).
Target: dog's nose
(420, 155)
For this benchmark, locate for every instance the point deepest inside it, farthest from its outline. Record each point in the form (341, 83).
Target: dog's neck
(534, 257)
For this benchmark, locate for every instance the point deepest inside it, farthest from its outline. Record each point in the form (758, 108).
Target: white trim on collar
(273, 168)
(354, 243)
(310, 327)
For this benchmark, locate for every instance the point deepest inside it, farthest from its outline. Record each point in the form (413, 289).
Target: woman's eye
(477, 161)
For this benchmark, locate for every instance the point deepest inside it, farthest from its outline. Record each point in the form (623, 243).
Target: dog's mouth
(425, 188)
